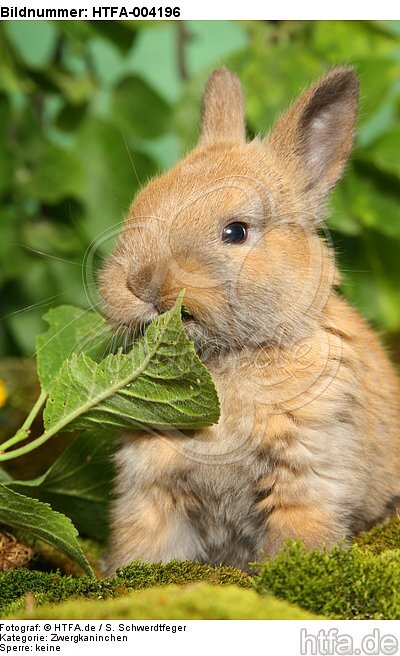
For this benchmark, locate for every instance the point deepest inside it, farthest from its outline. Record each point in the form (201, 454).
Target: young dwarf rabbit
(308, 442)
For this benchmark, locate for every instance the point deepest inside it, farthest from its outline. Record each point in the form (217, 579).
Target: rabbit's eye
(235, 233)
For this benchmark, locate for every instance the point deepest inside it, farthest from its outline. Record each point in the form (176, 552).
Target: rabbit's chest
(224, 512)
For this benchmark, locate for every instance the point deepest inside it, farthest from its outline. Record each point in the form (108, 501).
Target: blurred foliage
(89, 111)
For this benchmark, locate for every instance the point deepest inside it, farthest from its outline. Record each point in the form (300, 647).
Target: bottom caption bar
(278, 637)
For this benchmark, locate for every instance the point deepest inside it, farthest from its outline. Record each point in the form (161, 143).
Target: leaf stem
(23, 432)
(63, 421)
(15, 453)
(101, 395)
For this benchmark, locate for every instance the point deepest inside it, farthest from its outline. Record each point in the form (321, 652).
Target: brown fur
(307, 445)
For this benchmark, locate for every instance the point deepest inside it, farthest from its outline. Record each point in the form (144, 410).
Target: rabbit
(308, 443)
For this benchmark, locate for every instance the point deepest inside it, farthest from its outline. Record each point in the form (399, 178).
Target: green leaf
(39, 520)
(35, 41)
(71, 116)
(107, 61)
(50, 237)
(209, 43)
(79, 483)
(154, 58)
(349, 41)
(385, 152)
(371, 271)
(138, 110)
(203, 45)
(71, 329)
(269, 78)
(55, 173)
(165, 149)
(160, 383)
(340, 211)
(4, 477)
(119, 33)
(24, 326)
(14, 261)
(373, 199)
(76, 89)
(392, 27)
(113, 171)
(6, 167)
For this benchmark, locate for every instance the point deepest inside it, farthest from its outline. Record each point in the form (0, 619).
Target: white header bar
(195, 10)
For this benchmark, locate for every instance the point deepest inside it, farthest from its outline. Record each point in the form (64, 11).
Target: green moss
(144, 575)
(341, 583)
(359, 582)
(54, 587)
(16, 583)
(382, 537)
(195, 601)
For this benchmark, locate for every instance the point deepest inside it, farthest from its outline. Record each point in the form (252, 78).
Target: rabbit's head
(236, 223)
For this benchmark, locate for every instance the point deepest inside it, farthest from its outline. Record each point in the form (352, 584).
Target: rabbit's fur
(307, 445)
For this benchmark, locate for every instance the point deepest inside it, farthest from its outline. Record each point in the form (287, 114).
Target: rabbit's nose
(146, 283)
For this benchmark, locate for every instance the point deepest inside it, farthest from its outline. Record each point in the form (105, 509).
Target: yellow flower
(3, 393)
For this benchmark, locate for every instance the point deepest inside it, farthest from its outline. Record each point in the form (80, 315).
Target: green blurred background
(90, 110)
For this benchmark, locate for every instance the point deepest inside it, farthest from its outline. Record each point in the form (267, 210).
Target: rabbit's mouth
(191, 323)
(127, 332)
(139, 328)
(198, 333)
(187, 315)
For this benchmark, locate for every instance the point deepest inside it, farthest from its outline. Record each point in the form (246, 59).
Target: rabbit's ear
(316, 134)
(223, 113)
